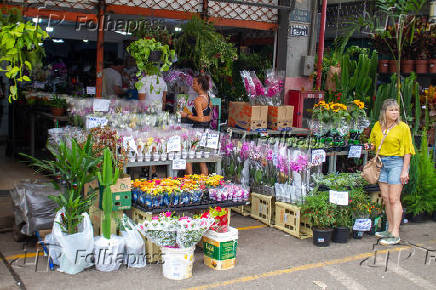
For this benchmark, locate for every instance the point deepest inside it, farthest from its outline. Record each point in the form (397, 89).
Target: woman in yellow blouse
(395, 154)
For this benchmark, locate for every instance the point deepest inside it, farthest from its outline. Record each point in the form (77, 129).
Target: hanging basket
(155, 55)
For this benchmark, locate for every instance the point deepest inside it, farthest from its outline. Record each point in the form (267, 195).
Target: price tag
(94, 122)
(338, 197)
(179, 164)
(362, 225)
(174, 144)
(101, 105)
(203, 138)
(90, 90)
(355, 151)
(212, 140)
(318, 156)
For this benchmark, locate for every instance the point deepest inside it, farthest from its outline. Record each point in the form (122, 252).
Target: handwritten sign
(298, 30)
(90, 90)
(318, 156)
(355, 151)
(203, 138)
(362, 225)
(101, 105)
(95, 122)
(212, 140)
(174, 144)
(338, 197)
(179, 164)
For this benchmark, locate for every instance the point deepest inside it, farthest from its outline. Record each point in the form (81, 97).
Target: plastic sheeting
(32, 205)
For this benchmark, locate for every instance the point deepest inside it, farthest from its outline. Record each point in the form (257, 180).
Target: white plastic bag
(77, 249)
(54, 249)
(108, 254)
(134, 246)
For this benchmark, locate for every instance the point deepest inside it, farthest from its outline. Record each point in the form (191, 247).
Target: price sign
(101, 105)
(318, 156)
(338, 197)
(203, 138)
(212, 140)
(174, 144)
(179, 164)
(355, 151)
(94, 122)
(362, 225)
(90, 90)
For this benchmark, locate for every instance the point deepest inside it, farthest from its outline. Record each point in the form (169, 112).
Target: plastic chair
(217, 102)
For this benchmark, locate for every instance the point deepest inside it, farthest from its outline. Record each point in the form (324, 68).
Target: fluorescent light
(85, 40)
(177, 28)
(122, 32)
(40, 43)
(58, 40)
(49, 29)
(36, 20)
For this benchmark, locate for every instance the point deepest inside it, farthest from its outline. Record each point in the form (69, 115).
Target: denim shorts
(391, 169)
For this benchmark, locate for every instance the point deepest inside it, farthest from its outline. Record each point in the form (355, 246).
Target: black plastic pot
(341, 234)
(357, 234)
(433, 216)
(322, 237)
(155, 55)
(420, 218)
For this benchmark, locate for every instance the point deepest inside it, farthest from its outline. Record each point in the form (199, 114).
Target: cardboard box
(121, 193)
(244, 116)
(220, 249)
(280, 117)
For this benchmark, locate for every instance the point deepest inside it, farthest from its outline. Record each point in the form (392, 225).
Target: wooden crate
(288, 219)
(376, 197)
(96, 216)
(153, 251)
(244, 210)
(262, 208)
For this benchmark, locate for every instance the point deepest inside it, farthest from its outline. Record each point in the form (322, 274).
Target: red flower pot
(57, 111)
(393, 66)
(407, 65)
(421, 66)
(432, 66)
(383, 66)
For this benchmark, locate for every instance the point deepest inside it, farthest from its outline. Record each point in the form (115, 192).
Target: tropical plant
(343, 217)
(160, 34)
(319, 210)
(58, 102)
(141, 50)
(19, 49)
(422, 198)
(106, 178)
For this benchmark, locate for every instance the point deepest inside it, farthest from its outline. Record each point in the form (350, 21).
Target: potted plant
(422, 198)
(343, 223)
(151, 56)
(421, 48)
(322, 216)
(57, 106)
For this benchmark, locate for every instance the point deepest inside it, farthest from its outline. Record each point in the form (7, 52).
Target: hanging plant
(20, 50)
(152, 57)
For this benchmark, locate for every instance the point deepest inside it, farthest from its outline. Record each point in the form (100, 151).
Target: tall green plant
(107, 178)
(422, 199)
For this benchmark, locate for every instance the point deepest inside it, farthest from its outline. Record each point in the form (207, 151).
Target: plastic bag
(108, 254)
(54, 248)
(77, 249)
(134, 245)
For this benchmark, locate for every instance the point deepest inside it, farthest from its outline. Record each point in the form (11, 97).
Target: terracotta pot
(421, 66)
(407, 65)
(383, 66)
(432, 66)
(393, 66)
(57, 111)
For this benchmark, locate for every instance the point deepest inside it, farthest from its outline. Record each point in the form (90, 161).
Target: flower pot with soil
(421, 66)
(407, 65)
(57, 106)
(383, 66)
(341, 234)
(322, 237)
(393, 66)
(419, 218)
(432, 66)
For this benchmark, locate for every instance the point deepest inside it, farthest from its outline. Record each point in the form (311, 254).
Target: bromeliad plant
(107, 178)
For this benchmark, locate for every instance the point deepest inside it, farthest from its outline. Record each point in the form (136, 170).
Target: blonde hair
(386, 105)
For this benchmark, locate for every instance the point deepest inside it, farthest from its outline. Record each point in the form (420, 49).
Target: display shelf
(292, 131)
(223, 204)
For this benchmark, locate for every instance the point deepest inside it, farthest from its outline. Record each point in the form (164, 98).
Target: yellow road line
(21, 256)
(301, 268)
(251, 227)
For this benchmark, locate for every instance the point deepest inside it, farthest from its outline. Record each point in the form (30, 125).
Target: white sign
(338, 197)
(362, 225)
(174, 144)
(318, 156)
(179, 164)
(129, 143)
(94, 122)
(355, 151)
(212, 140)
(90, 90)
(38, 85)
(101, 105)
(203, 138)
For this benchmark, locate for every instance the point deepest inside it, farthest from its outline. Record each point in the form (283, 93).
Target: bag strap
(383, 139)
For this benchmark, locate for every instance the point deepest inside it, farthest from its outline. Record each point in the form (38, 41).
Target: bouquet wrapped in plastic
(274, 85)
(161, 230)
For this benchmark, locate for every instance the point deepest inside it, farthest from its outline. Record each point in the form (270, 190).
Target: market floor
(266, 258)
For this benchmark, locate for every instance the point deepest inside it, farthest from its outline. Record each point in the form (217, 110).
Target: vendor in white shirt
(112, 80)
(153, 92)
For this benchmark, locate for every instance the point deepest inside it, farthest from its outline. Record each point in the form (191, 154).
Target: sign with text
(174, 144)
(213, 140)
(338, 197)
(94, 122)
(90, 90)
(179, 164)
(298, 30)
(318, 156)
(299, 15)
(355, 151)
(363, 225)
(101, 105)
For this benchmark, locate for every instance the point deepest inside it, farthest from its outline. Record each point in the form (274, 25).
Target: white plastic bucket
(177, 262)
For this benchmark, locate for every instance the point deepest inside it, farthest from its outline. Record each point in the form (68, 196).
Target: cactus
(107, 178)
